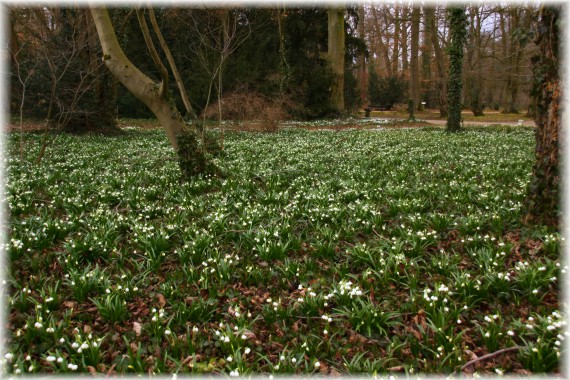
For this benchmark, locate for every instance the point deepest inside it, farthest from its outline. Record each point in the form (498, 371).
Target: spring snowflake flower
(317, 365)
(247, 350)
(9, 356)
(50, 358)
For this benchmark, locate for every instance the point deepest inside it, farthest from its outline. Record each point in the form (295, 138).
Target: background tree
(458, 32)
(414, 57)
(543, 193)
(336, 50)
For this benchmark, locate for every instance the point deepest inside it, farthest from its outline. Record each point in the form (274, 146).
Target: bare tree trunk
(361, 59)
(414, 61)
(404, 39)
(543, 194)
(172, 64)
(427, 57)
(395, 51)
(142, 87)
(440, 64)
(336, 55)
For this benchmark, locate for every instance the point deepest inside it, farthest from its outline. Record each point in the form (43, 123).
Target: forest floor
(396, 118)
(363, 250)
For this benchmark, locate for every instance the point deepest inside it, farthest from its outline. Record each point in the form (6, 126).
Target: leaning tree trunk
(543, 194)
(336, 55)
(458, 32)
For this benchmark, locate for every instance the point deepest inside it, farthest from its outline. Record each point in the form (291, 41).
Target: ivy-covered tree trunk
(542, 200)
(458, 31)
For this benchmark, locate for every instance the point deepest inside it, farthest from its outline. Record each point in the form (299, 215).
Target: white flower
(510, 333)
(234, 373)
(167, 332)
(194, 329)
(294, 360)
(230, 359)
(50, 358)
(247, 350)
(28, 358)
(9, 356)
(317, 365)
(60, 360)
(72, 366)
(38, 325)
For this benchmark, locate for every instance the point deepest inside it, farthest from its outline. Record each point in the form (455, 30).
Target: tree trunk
(458, 33)
(543, 193)
(361, 73)
(404, 40)
(440, 64)
(414, 57)
(475, 75)
(336, 55)
(395, 51)
(427, 57)
(141, 86)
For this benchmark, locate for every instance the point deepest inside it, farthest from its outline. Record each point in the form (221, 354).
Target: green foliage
(384, 243)
(192, 159)
(384, 92)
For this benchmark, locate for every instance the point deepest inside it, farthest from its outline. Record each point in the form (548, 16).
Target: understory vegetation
(320, 251)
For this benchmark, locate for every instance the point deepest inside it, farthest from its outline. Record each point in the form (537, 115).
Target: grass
(378, 251)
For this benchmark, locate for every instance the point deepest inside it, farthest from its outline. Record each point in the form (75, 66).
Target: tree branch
(491, 355)
(163, 91)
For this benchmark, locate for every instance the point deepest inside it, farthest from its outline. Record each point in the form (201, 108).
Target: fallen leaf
(137, 327)
(161, 300)
(86, 329)
(91, 369)
(69, 304)
(397, 368)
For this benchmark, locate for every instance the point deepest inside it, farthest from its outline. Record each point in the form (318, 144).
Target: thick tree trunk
(458, 33)
(404, 39)
(414, 57)
(141, 86)
(396, 51)
(474, 83)
(361, 73)
(336, 55)
(427, 58)
(543, 194)
(440, 64)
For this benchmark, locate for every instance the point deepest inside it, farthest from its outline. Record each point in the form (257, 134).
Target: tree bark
(395, 51)
(426, 89)
(458, 32)
(543, 193)
(361, 73)
(140, 85)
(404, 39)
(336, 48)
(172, 64)
(414, 57)
(440, 65)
